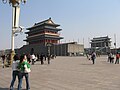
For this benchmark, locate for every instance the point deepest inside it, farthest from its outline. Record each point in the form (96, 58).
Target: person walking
(41, 59)
(111, 58)
(93, 57)
(117, 58)
(24, 67)
(33, 59)
(48, 58)
(15, 72)
(3, 60)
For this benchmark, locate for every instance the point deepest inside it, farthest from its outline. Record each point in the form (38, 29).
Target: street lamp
(15, 21)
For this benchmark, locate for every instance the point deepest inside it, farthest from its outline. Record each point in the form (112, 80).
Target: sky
(80, 20)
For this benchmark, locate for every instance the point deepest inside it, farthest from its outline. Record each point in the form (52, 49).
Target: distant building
(39, 35)
(67, 49)
(44, 37)
(101, 44)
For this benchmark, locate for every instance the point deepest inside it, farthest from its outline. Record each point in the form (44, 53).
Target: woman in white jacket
(15, 72)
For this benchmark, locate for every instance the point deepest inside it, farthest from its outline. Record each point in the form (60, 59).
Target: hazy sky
(79, 19)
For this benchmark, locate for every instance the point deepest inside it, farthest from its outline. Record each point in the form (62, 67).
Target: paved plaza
(69, 73)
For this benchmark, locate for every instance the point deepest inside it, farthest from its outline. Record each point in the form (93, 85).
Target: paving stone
(69, 73)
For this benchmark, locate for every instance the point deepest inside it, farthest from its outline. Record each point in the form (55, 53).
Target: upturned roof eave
(37, 25)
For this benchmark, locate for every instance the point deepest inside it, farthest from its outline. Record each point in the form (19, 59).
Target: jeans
(48, 61)
(27, 81)
(93, 60)
(33, 61)
(14, 75)
(117, 61)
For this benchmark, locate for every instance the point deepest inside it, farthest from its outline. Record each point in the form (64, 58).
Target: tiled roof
(48, 21)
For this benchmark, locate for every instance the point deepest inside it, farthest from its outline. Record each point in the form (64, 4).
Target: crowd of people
(111, 57)
(42, 58)
(32, 58)
(21, 66)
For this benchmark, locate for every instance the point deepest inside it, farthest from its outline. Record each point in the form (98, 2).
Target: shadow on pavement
(86, 64)
(4, 88)
(9, 89)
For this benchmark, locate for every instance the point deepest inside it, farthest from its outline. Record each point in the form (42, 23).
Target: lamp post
(115, 44)
(15, 21)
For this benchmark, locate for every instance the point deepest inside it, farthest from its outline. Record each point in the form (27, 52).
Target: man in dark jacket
(93, 57)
